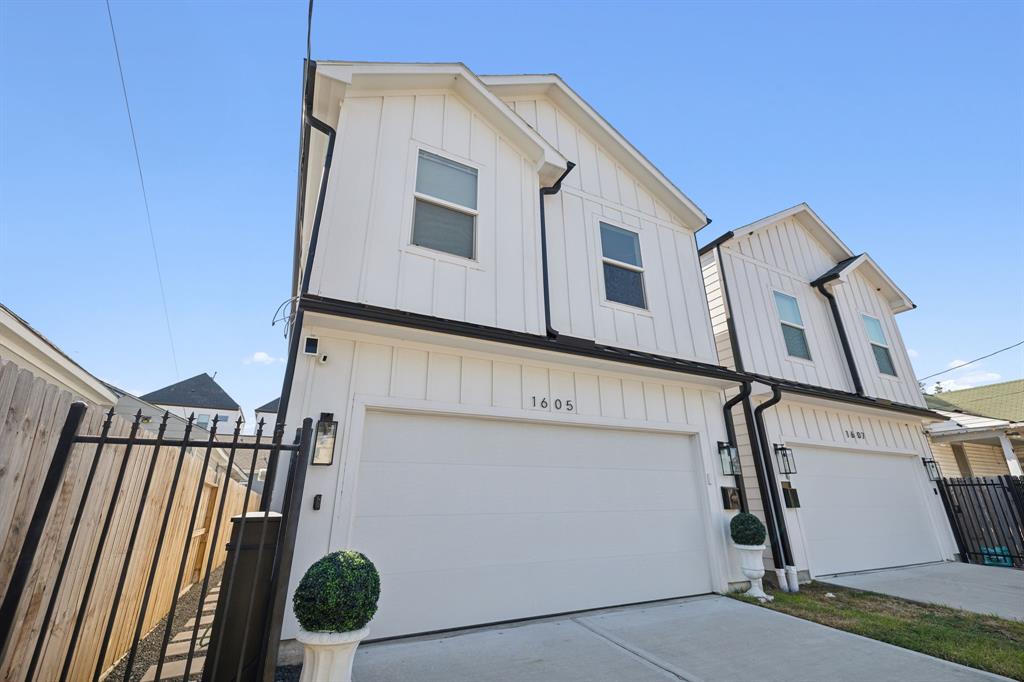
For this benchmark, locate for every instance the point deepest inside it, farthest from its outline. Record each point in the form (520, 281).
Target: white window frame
(864, 317)
(801, 327)
(646, 310)
(459, 208)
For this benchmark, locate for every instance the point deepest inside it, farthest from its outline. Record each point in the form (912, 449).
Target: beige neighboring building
(29, 349)
(984, 431)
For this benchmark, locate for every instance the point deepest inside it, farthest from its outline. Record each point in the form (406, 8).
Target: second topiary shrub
(747, 529)
(338, 593)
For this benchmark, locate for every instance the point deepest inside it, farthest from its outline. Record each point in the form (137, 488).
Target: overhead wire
(145, 196)
(971, 362)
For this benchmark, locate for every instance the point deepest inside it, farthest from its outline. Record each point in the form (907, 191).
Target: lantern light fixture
(932, 467)
(730, 456)
(326, 435)
(787, 463)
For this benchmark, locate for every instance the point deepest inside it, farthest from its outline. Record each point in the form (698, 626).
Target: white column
(1011, 457)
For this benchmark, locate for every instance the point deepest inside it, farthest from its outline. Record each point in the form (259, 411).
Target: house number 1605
(557, 403)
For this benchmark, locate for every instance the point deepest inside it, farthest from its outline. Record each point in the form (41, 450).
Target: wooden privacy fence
(32, 415)
(987, 518)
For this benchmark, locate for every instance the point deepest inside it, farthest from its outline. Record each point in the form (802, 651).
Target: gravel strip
(149, 648)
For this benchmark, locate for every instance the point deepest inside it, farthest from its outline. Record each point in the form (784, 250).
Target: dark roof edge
(714, 243)
(845, 397)
(562, 343)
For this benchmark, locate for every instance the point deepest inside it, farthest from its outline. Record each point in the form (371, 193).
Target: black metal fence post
(285, 551)
(953, 521)
(22, 567)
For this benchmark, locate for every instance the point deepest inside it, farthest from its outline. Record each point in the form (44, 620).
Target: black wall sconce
(787, 463)
(730, 456)
(326, 434)
(932, 467)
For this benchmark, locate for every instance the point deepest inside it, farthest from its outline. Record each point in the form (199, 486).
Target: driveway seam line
(639, 653)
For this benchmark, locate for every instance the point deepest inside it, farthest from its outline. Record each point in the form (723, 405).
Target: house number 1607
(557, 403)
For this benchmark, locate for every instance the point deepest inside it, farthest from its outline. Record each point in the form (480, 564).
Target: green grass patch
(984, 642)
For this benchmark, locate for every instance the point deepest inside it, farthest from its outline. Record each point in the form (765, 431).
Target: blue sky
(902, 124)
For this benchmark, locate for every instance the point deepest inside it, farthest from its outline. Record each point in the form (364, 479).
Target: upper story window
(792, 326)
(445, 215)
(203, 421)
(879, 346)
(623, 267)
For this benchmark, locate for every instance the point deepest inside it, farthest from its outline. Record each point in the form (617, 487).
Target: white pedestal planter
(752, 564)
(328, 656)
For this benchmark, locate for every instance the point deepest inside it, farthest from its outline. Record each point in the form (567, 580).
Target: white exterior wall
(365, 252)
(798, 424)
(387, 373)
(785, 258)
(857, 296)
(676, 322)
(185, 412)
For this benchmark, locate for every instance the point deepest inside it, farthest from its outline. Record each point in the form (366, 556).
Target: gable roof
(270, 407)
(846, 260)
(998, 401)
(555, 89)
(198, 391)
(390, 76)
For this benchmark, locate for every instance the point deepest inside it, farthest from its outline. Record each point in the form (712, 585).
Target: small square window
(792, 326)
(445, 213)
(622, 266)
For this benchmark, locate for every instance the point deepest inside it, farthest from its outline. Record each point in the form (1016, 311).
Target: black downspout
(730, 430)
(734, 342)
(544, 192)
(770, 473)
(763, 486)
(295, 332)
(843, 339)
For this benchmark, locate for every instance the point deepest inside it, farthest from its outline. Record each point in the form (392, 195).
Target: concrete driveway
(982, 589)
(704, 638)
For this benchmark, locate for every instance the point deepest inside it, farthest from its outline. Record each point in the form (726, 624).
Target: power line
(971, 362)
(145, 197)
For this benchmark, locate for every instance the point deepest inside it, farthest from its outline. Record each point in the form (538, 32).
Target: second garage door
(862, 510)
(474, 520)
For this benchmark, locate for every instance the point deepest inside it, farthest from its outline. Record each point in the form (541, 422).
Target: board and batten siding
(676, 322)
(365, 252)
(798, 424)
(406, 374)
(785, 258)
(856, 297)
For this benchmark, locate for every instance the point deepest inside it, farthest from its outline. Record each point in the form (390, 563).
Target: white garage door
(862, 511)
(473, 520)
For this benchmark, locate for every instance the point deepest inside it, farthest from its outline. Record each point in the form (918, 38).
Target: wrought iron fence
(987, 518)
(89, 586)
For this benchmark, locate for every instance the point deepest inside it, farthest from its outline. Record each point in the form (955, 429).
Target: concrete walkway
(982, 589)
(701, 639)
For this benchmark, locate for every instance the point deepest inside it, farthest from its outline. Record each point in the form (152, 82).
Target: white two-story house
(501, 325)
(838, 402)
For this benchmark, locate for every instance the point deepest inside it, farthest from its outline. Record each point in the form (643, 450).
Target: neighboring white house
(792, 303)
(268, 414)
(983, 434)
(202, 396)
(32, 351)
(492, 467)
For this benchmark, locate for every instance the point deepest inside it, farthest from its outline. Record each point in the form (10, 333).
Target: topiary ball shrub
(747, 529)
(338, 593)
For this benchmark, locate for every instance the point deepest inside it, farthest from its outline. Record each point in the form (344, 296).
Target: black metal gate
(987, 517)
(248, 460)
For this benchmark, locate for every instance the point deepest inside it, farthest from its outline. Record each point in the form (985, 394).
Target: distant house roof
(199, 391)
(270, 407)
(1001, 401)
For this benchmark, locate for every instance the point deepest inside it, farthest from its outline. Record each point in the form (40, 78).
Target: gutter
(788, 579)
(730, 430)
(545, 192)
(715, 243)
(561, 344)
(819, 284)
(295, 331)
